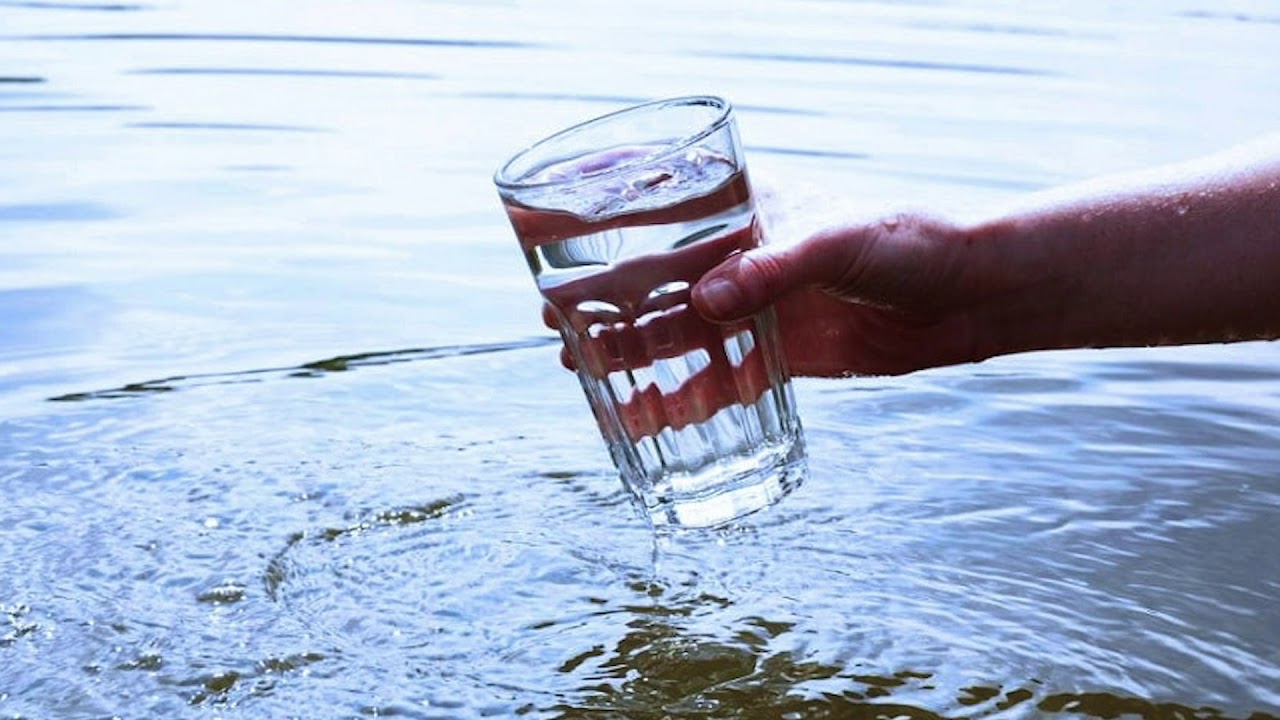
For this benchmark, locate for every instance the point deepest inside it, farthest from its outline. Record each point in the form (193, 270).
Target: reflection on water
(204, 198)
(341, 363)
(654, 672)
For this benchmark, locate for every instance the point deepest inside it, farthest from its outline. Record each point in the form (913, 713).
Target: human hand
(881, 298)
(887, 297)
(630, 330)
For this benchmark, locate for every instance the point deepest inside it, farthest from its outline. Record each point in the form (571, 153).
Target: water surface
(281, 435)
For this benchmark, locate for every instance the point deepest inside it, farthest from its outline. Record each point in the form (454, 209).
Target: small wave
(572, 97)
(807, 152)
(318, 368)
(888, 63)
(93, 7)
(264, 38)
(286, 72)
(1002, 29)
(46, 108)
(170, 125)
(56, 211)
(1234, 17)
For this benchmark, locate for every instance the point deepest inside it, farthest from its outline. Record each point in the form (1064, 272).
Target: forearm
(1190, 255)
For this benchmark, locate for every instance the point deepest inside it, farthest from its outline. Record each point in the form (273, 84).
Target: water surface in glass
(281, 434)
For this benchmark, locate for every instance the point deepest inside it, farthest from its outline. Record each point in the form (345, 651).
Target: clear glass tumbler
(618, 218)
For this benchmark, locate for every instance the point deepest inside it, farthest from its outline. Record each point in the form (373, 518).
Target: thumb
(748, 282)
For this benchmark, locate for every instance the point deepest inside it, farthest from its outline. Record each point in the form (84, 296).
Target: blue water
(281, 434)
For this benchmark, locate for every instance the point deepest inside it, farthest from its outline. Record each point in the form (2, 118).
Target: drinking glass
(618, 218)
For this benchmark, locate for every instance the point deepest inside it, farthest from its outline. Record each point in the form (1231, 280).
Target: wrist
(1025, 280)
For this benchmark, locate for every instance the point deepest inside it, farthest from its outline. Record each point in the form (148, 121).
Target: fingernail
(720, 296)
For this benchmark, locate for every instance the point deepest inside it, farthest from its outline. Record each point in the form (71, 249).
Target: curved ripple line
(277, 573)
(318, 368)
(255, 37)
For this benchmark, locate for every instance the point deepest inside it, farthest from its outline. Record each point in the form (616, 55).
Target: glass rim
(721, 119)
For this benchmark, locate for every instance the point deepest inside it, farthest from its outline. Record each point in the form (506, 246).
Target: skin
(1179, 255)
(622, 325)
(1187, 254)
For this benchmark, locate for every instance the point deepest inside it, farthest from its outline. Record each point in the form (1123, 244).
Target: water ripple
(251, 127)
(1056, 536)
(1236, 17)
(1002, 29)
(265, 38)
(72, 108)
(95, 7)
(339, 363)
(56, 211)
(621, 100)
(803, 152)
(573, 97)
(287, 72)
(778, 110)
(886, 63)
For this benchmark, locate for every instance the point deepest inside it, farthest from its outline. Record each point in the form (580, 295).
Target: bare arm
(1188, 254)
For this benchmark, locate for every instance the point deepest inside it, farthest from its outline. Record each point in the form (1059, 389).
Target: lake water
(281, 434)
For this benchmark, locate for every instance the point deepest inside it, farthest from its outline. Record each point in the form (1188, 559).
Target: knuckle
(766, 268)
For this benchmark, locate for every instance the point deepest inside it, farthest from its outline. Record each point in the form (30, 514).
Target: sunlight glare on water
(281, 434)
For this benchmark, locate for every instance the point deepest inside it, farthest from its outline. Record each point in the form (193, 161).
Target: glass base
(744, 487)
